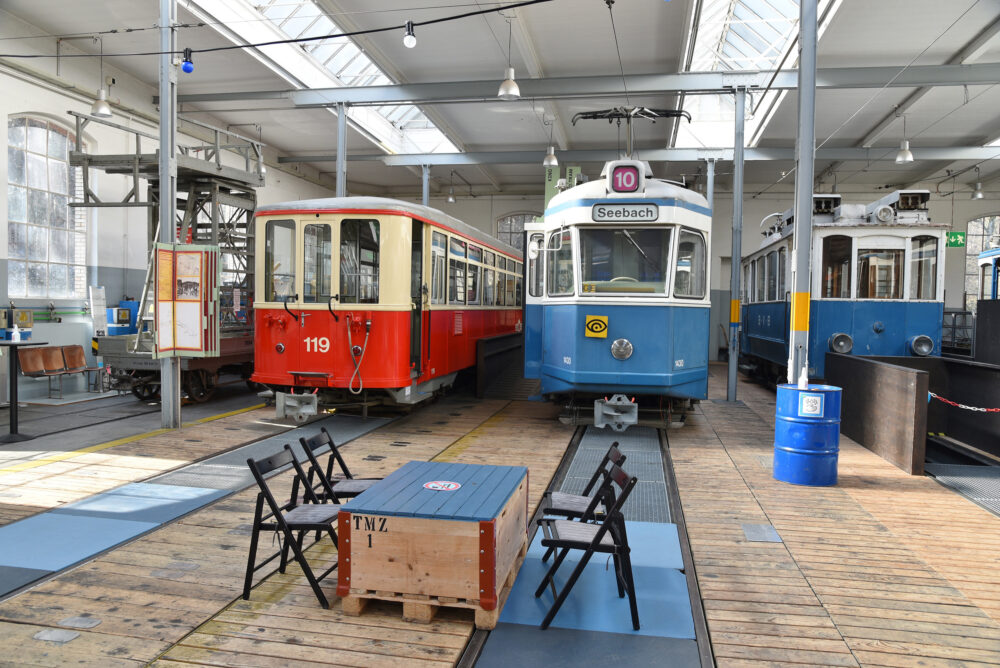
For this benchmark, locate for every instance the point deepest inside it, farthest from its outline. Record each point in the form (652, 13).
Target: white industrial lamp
(509, 89)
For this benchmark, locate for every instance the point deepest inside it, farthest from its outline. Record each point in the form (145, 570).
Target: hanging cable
(357, 356)
(614, 32)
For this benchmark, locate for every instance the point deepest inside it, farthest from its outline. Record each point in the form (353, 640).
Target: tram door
(416, 297)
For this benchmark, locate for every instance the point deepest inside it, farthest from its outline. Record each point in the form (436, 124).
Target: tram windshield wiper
(641, 252)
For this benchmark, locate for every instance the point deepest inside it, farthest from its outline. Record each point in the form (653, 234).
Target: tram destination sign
(617, 212)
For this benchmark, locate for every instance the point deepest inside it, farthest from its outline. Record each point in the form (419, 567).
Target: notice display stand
(187, 301)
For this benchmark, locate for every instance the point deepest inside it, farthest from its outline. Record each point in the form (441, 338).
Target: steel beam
(611, 86)
(734, 261)
(341, 150)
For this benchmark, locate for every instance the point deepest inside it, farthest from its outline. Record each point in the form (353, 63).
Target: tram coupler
(618, 412)
(299, 407)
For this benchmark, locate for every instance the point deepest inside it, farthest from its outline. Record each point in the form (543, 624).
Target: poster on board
(187, 300)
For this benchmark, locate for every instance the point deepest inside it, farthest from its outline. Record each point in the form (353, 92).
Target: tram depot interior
(882, 569)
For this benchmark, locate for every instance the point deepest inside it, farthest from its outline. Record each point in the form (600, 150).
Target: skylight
(742, 35)
(327, 63)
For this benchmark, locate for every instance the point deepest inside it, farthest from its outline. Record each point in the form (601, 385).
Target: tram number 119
(317, 344)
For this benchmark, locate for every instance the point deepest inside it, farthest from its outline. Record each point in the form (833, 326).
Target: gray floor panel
(977, 483)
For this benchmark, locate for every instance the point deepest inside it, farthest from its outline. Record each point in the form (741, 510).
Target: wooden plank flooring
(884, 569)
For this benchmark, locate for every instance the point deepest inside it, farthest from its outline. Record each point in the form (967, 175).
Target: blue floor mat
(519, 645)
(12, 577)
(593, 603)
(52, 542)
(143, 502)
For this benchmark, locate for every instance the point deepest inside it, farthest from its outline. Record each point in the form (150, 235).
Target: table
(435, 534)
(14, 370)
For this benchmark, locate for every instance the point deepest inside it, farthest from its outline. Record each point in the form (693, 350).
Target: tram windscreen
(624, 260)
(880, 273)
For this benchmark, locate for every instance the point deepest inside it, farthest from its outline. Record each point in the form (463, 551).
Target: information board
(187, 300)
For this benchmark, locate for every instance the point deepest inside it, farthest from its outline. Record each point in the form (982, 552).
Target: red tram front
(375, 297)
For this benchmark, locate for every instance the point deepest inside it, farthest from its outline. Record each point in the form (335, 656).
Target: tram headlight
(841, 343)
(621, 349)
(921, 345)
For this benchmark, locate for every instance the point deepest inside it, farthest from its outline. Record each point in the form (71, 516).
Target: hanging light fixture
(904, 156)
(550, 158)
(409, 39)
(101, 108)
(978, 192)
(509, 89)
(451, 188)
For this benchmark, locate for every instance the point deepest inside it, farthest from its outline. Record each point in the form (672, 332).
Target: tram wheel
(145, 391)
(199, 385)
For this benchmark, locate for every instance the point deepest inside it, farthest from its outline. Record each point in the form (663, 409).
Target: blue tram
(617, 300)
(877, 284)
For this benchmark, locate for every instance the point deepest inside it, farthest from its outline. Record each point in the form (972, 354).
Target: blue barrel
(807, 435)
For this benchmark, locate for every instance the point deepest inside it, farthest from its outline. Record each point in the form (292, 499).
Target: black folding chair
(287, 519)
(322, 480)
(594, 500)
(607, 537)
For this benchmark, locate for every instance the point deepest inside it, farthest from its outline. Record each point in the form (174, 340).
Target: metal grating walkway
(980, 484)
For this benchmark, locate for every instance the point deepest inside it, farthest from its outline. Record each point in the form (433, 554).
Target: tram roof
(385, 204)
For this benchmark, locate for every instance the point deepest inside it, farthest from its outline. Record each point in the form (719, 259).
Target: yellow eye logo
(596, 326)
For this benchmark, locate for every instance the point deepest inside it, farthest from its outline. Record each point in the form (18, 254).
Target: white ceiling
(572, 38)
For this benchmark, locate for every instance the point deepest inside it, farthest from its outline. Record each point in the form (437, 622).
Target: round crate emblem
(442, 485)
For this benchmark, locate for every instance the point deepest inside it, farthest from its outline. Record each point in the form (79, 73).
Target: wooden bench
(54, 362)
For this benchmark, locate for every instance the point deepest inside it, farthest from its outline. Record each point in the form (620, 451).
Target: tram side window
(501, 291)
(438, 264)
(456, 272)
(745, 293)
(760, 271)
(986, 281)
(279, 260)
(689, 277)
(923, 267)
(836, 278)
(518, 284)
(782, 261)
(560, 264)
(535, 279)
(316, 279)
(359, 261)
(880, 273)
(772, 276)
(489, 277)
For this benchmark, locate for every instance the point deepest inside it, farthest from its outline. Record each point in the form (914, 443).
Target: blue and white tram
(617, 301)
(989, 272)
(877, 284)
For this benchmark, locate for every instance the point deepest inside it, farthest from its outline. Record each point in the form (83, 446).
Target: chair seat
(311, 514)
(561, 503)
(578, 532)
(353, 486)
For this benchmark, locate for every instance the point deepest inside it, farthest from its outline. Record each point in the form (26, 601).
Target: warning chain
(963, 406)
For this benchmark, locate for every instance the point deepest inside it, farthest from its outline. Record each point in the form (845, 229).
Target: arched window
(47, 238)
(510, 228)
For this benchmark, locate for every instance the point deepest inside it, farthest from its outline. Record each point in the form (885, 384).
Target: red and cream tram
(371, 296)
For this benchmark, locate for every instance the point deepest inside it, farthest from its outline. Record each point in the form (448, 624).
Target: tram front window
(923, 268)
(880, 273)
(316, 279)
(624, 260)
(279, 260)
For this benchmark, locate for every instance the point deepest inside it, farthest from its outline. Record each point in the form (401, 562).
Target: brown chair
(76, 362)
(41, 363)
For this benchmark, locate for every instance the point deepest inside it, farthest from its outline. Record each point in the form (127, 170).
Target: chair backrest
(261, 467)
(52, 359)
(315, 444)
(31, 361)
(74, 358)
(615, 520)
(612, 456)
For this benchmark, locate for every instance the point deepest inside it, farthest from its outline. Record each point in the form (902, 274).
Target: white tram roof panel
(337, 204)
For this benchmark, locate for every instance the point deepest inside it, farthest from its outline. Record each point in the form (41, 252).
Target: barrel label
(810, 405)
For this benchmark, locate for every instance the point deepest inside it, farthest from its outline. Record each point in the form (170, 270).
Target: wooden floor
(882, 570)
(885, 569)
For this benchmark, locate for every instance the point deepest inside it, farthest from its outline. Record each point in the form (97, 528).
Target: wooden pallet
(420, 608)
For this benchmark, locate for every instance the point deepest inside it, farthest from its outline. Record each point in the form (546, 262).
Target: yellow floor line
(461, 445)
(62, 456)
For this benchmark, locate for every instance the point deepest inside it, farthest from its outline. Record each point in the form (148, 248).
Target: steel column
(734, 262)
(341, 150)
(805, 150)
(425, 172)
(170, 367)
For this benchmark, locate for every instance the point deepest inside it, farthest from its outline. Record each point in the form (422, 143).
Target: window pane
(59, 212)
(472, 288)
(38, 175)
(476, 253)
(57, 281)
(15, 132)
(37, 275)
(781, 273)
(59, 250)
(438, 245)
(17, 204)
(38, 243)
(17, 241)
(772, 276)
(457, 248)
(535, 277)
(58, 178)
(836, 278)
(359, 261)
(57, 144)
(622, 260)
(923, 268)
(38, 207)
(488, 290)
(279, 260)
(15, 166)
(518, 289)
(317, 282)
(456, 281)
(880, 273)
(37, 134)
(16, 279)
(560, 264)
(690, 276)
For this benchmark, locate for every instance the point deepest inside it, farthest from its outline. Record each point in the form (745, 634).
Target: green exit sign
(956, 240)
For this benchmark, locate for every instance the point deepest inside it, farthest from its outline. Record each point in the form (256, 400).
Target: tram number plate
(317, 344)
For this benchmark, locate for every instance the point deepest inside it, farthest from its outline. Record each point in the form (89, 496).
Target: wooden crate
(401, 541)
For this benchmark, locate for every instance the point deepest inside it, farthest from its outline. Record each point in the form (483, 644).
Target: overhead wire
(621, 67)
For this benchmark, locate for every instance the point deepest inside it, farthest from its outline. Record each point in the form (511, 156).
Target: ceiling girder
(611, 86)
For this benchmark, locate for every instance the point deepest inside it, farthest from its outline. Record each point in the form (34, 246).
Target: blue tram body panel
(670, 355)
(764, 331)
(532, 340)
